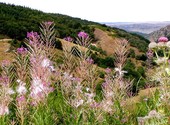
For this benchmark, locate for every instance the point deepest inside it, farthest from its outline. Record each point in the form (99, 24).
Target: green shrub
(141, 57)
(98, 50)
(131, 53)
(58, 45)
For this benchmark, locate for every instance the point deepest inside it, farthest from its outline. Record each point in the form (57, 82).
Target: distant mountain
(165, 31)
(143, 27)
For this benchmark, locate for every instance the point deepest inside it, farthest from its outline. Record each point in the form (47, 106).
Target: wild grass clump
(36, 90)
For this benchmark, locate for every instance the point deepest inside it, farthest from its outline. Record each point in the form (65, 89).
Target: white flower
(45, 63)
(168, 44)
(36, 81)
(121, 72)
(161, 60)
(21, 89)
(89, 97)
(18, 80)
(67, 75)
(38, 89)
(161, 44)
(4, 110)
(52, 68)
(37, 86)
(87, 89)
(79, 102)
(167, 70)
(152, 45)
(154, 113)
(10, 91)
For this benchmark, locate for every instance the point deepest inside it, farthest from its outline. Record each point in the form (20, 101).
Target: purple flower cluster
(163, 39)
(150, 54)
(48, 23)
(22, 50)
(32, 35)
(90, 60)
(108, 70)
(83, 34)
(5, 63)
(69, 39)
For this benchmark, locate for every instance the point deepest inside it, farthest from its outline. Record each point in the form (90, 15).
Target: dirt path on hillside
(5, 40)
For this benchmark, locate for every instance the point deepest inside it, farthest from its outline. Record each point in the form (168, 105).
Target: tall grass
(36, 90)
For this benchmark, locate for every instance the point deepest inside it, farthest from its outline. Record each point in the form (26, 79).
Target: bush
(98, 50)
(58, 45)
(141, 57)
(141, 70)
(131, 53)
(103, 62)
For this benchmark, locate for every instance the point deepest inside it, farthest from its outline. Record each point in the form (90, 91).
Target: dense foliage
(15, 21)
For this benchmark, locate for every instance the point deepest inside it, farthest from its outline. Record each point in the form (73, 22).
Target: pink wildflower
(45, 63)
(32, 35)
(21, 99)
(95, 105)
(163, 39)
(5, 63)
(108, 70)
(83, 35)
(49, 23)
(4, 110)
(90, 60)
(22, 50)
(22, 89)
(149, 53)
(69, 39)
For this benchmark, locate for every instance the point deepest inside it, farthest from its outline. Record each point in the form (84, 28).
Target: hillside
(16, 21)
(165, 31)
(73, 83)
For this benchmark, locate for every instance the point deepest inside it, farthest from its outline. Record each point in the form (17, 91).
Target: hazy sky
(104, 10)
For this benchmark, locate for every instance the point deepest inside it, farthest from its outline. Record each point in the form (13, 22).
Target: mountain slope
(165, 31)
(16, 21)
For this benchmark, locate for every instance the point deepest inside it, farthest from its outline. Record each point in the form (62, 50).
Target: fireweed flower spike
(48, 23)
(33, 36)
(41, 67)
(83, 34)
(22, 50)
(5, 88)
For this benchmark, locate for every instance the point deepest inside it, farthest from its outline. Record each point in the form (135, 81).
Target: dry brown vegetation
(4, 50)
